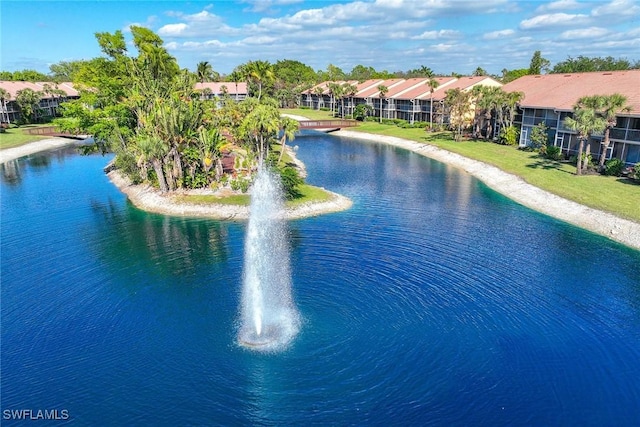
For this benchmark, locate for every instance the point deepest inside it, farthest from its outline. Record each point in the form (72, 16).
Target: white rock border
(615, 228)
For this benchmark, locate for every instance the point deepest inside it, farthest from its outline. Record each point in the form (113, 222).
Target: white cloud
(584, 33)
(259, 6)
(553, 20)
(494, 35)
(433, 35)
(559, 5)
(198, 24)
(172, 30)
(259, 40)
(617, 7)
(444, 47)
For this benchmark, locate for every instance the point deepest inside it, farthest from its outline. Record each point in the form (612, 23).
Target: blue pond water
(433, 301)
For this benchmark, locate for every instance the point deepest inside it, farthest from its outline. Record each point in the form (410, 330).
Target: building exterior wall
(624, 137)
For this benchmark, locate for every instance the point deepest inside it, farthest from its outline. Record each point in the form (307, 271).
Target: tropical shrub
(361, 112)
(574, 159)
(240, 184)
(290, 181)
(539, 137)
(551, 152)
(509, 136)
(635, 172)
(613, 167)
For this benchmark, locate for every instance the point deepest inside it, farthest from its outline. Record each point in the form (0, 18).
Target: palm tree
(585, 122)
(260, 72)
(259, 126)
(204, 71)
(337, 91)
(512, 99)
(318, 91)
(433, 85)
(350, 90)
(235, 77)
(333, 89)
(4, 97)
(158, 61)
(28, 100)
(289, 128)
(383, 90)
(152, 150)
(610, 106)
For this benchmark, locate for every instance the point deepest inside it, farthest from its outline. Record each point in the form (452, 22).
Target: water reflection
(13, 170)
(160, 244)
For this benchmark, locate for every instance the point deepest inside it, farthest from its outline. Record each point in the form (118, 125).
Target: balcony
(625, 134)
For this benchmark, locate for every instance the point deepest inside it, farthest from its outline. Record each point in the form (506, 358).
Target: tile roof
(562, 91)
(462, 83)
(422, 90)
(216, 87)
(373, 92)
(13, 87)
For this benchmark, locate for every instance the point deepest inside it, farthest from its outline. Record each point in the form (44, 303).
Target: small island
(223, 204)
(178, 149)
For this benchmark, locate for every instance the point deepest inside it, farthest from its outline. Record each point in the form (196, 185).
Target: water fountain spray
(268, 317)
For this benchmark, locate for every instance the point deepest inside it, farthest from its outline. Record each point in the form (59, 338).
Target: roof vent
(607, 74)
(567, 75)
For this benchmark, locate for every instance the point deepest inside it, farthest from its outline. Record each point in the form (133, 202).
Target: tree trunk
(431, 111)
(585, 162)
(157, 166)
(605, 147)
(284, 141)
(177, 165)
(579, 162)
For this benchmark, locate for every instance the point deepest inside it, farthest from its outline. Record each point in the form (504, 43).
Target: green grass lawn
(309, 194)
(15, 137)
(611, 194)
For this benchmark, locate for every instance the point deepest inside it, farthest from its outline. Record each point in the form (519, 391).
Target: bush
(635, 172)
(241, 184)
(613, 167)
(290, 181)
(551, 152)
(539, 136)
(509, 136)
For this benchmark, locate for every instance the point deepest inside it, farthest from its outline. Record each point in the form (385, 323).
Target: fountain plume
(268, 317)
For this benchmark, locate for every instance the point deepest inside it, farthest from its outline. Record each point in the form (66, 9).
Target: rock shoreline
(150, 199)
(615, 228)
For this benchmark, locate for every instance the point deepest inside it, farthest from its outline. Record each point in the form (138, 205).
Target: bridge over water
(327, 124)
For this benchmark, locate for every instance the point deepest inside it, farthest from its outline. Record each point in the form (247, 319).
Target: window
(633, 154)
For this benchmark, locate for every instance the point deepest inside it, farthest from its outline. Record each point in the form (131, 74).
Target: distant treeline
(290, 73)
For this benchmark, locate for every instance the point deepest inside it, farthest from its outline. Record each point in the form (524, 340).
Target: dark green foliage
(510, 75)
(24, 76)
(583, 64)
(539, 136)
(509, 136)
(361, 112)
(613, 167)
(126, 163)
(290, 181)
(635, 172)
(551, 152)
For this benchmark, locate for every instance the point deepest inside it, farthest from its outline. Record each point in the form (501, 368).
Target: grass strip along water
(615, 195)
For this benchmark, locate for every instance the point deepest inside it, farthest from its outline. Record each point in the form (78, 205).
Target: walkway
(327, 124)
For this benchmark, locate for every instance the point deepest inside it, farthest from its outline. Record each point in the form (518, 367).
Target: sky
(394, 35)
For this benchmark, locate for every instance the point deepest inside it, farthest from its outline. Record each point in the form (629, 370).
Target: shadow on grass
(628, 181)
(546, 164)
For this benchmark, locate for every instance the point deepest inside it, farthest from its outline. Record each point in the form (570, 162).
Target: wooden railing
(327, 124)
